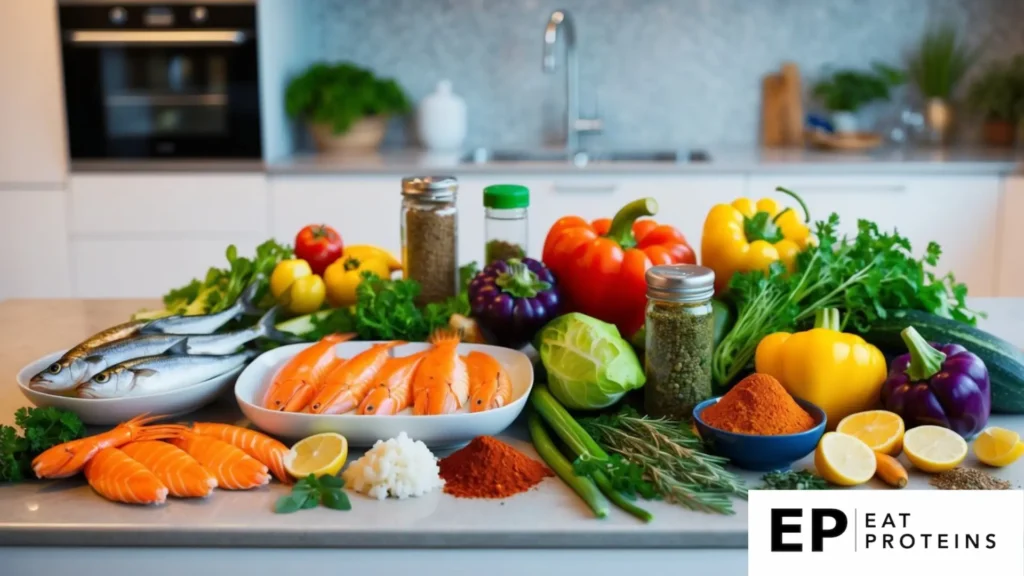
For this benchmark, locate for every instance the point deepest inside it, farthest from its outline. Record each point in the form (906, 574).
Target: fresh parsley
(311, 492)
(863, 276)
(386, 310)
(43, 428)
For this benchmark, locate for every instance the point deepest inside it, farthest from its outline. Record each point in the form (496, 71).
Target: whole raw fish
(159, 373)
(207, 323)
(80, 364)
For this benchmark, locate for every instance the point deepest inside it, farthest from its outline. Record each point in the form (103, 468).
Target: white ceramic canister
(441, 119)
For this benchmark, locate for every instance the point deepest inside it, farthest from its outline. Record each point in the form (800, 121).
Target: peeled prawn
(119, 477)
(263, 448)
(183, 476)
(232, 467)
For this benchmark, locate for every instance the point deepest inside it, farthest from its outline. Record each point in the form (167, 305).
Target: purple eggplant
(512, 300)
(940, 384)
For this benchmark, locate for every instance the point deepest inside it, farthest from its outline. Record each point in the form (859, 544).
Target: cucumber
(1005, 362)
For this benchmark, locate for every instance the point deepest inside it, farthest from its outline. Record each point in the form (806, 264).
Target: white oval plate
(435, 431)
(111, 411)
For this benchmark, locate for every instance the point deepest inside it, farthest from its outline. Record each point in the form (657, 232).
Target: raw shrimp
(345, 386)
(233, 468)
(296, 382)
(441, 383)
(392, 389)
(69, 458)
(268, 451)
(489, 385)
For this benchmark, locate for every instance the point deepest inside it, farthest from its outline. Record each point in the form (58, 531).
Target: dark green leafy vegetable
(312, 491)
(864, 276)
(43, 428)
(385, 310)
(221, 286)
(793, 480)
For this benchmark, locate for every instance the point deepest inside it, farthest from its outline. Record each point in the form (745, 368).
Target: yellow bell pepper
(744, 236)
(344, 275)
(840, 373)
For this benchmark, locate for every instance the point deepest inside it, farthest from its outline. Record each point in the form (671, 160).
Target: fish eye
(54, 368)
(101, 378)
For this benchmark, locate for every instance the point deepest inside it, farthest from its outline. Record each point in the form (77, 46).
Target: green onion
(582, 485)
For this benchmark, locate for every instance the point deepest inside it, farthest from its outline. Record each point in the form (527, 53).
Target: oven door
(162, 93)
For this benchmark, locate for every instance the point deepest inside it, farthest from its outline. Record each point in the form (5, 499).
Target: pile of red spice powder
(489, 468)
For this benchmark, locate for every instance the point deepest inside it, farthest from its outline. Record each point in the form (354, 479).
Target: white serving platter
(442, 431)
(111, 411)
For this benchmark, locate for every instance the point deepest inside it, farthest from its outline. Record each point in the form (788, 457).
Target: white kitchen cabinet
(181, 204)
(364, 210)
(32, 137)
(34, 258)
(148, 268)
(1009, 263)
(683, 201)
(960, 213)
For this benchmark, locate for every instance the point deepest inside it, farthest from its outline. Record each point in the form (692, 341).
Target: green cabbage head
(589, 365)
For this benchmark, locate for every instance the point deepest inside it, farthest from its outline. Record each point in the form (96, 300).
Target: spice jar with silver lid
(430, 235)
(680, 326)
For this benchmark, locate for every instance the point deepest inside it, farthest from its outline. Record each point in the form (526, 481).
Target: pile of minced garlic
(400, 467)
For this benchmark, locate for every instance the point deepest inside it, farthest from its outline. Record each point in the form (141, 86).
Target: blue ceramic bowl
(761, 453)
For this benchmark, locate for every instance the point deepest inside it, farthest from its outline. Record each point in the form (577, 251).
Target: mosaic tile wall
(658, 72)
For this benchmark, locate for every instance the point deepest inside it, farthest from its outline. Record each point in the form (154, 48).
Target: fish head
(111, 383)
(62, 375)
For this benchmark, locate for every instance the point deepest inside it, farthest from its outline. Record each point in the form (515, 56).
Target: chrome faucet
(574, 125)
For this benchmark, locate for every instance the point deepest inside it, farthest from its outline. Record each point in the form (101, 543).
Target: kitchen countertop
(67, 513)
(723, 160)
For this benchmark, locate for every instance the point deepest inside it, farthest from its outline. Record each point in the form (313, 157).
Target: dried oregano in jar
(680, 337)
(430, 236)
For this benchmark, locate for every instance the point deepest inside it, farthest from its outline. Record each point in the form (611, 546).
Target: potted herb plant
(346, 107)
(844, 92)
(937, 66)
(998, 96)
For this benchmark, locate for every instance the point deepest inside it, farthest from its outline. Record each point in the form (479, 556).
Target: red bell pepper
(600, 266)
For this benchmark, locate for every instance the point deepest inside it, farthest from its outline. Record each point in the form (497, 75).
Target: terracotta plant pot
(364, 136)
(999, 133)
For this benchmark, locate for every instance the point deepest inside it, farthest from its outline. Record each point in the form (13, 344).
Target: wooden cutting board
(792, 106)
(772, 134)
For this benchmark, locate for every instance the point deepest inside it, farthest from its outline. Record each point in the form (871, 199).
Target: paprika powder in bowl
(758, 426)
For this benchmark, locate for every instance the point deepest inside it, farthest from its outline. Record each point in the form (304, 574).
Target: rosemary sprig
(671, 457)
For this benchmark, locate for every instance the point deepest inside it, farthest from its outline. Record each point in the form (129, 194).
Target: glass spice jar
(505, 223)
(680, 336)
(430, 236)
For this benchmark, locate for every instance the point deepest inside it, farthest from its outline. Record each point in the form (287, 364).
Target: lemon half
(934, 449)
(320, 455)
(844, 460)
(881, 430)
(998, 446)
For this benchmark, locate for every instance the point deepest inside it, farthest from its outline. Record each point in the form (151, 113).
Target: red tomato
(320, 245)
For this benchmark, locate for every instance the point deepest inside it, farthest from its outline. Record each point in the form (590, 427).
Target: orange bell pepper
(600, 265)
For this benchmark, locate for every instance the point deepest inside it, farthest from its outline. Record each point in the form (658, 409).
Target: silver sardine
(155, 374)
(207, 323)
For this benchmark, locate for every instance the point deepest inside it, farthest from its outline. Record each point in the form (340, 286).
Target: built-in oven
(148, 80)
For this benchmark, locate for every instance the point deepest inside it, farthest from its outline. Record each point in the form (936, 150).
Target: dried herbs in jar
(430, 236)
(680, 338)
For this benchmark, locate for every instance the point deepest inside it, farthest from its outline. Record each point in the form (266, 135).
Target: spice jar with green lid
(680, 326)
(505, 223)
(430, 236)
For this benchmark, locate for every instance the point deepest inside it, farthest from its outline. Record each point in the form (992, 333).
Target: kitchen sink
(582, 158)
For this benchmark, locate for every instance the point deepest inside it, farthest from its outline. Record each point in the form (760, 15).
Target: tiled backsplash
(658, 72)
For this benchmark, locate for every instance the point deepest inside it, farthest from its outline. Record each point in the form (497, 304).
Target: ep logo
(823, 523)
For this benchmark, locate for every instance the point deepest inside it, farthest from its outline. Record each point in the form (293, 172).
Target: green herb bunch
(849, 90)
(311, 492)
(998, 93)
(43, 428)
(793, 480)
(863, 276)
(386, 310)
(341, 94)
(940, 61)
(221, 286)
